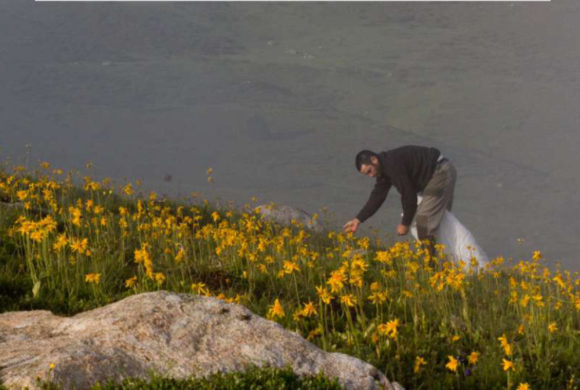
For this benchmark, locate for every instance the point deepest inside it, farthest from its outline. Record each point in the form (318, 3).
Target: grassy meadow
(69, 243)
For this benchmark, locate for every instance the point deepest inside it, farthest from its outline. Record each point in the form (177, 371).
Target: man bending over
(412, 170)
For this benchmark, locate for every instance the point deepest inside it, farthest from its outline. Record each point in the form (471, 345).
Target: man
(412, 170)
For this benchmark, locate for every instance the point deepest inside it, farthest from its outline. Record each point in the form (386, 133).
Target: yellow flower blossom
(309, 310)
(159, 278)
(419, 361)
(128, 189)
(324, 295)
(378, 297)
(79, 246)
(61, 242)
(390, 328)
(276, 310)
(129, 283)
(200, 288)
(552, 327)
(290, 267)
(336, 281)
(348, 300)
(142, 256)
(473, 357)
(506, 346)
(452, 364)
(93, 278)
(76, 215)
(383, 257)
(180, 255)
(523, 386)
(22, 195)
(507, 365)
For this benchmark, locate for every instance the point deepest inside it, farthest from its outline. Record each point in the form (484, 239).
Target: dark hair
(364, 157)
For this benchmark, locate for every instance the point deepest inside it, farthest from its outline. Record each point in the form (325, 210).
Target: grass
(254, 378)
(76, 244)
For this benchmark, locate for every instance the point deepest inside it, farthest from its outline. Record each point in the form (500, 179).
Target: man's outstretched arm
(376, 199)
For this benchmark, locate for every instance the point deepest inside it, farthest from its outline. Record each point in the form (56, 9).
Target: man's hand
(402, 229)
(351, 225)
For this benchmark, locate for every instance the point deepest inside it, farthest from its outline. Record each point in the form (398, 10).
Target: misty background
(279, 97)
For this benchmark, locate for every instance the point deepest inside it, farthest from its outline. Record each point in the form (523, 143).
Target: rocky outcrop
(175, 335)
(284, 215)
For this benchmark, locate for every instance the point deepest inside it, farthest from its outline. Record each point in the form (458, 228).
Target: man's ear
(374, 160)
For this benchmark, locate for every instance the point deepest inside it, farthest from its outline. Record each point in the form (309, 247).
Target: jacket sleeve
(376, 199)
(408, 199)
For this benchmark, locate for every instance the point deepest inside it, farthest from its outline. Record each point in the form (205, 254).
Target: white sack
(459, 242)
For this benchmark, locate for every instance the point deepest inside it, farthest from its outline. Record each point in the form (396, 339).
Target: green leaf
(36, 289)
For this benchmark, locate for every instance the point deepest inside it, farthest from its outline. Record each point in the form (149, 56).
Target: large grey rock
(284, 215)
(177, 335)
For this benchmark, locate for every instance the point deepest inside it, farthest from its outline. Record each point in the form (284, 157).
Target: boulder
(176, 335)
(284, 215)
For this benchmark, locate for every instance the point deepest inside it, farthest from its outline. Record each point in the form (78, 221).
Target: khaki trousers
(437, 197)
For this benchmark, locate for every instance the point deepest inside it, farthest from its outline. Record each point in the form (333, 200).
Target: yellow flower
(199, 288)
(93, 278)
(309, 310)
(419, 361)
(336, 281)
(552, 327)
(128, 189)
(180, 255)
(314, 333)
(79, 246)
(537, 255)
(378, 297)
(131, 282)
(142, 256)
(276, 310)
(61, 242)
(506, 346)
(22, 195)
(389, 328)
(507, 365)
(473, 357)
(455, 338)
(159, 278)
(523, 386)
(383, 257)
(348, 300)
(290, 267)
(76, 215)
(452, 364)
(323, 294)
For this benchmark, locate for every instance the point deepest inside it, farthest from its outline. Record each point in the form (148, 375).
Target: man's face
(372, 169)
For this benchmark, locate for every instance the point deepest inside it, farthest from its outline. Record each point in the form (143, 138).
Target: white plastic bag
(459, 242)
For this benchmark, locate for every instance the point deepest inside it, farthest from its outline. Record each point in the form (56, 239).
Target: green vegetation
(426, 322)
(255, 378)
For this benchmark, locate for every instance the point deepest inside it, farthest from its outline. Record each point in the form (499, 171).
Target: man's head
(367, 163)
